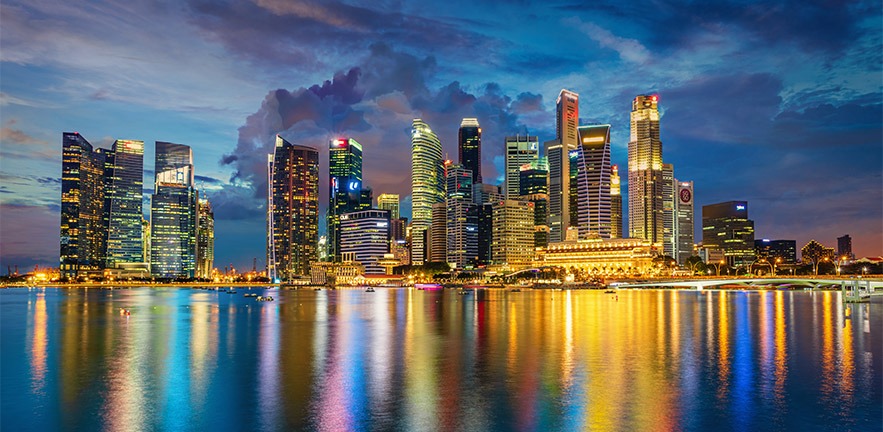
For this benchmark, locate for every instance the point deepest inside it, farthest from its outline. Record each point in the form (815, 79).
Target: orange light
(654, 98)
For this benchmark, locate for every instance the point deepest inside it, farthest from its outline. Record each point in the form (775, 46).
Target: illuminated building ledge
(606, 257)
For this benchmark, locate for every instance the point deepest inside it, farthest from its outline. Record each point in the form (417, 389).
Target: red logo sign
(686, 196)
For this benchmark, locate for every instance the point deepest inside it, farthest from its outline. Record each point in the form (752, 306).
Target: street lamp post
(840, 261)
(815, 265)
(777, 261)
(717, 266)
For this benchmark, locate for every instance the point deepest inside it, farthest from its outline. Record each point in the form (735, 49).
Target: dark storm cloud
(373, 103)
(207, 180)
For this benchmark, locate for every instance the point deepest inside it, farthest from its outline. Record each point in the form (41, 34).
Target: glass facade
(346, 193)
(389, 202)
(82, 206)
(726, 226)
(520, 150)
(461, 219)
(645, 179)
(615, 203)
(427, 184)
(534, 188)
(593, 181)
(469, 147)
(205, 240)
(124, 170)
(173, 218)
(365, 235)
(294, 208)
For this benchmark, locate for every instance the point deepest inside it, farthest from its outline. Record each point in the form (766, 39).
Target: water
(403, 359)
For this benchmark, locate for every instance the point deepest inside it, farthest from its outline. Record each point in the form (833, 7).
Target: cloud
(25, 239)
(630, 50)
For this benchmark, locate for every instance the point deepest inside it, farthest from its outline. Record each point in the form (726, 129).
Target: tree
(696, 265)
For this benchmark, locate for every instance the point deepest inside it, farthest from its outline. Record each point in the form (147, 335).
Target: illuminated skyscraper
(365, 235)
(520, 150)
(461, 218)
(683, 221)
(427, 184)
(82, 206)
(345, 193)
(205, 239)
(669, 222)
(513, 227)
(593, 181)
(123, 175)
(726, 226)
(534, 188)
(389, 202)
(438, 234)
(294, 227)
(559, 153)
(645, 172)
(615, 203)
(470, 147)
(173, 213)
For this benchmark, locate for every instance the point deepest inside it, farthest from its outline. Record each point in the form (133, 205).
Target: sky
(776, 103)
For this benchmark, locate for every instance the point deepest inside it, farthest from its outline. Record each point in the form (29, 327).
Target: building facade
(469, 147)
(205, 239)
(844, 247)
(512, 240)
(124, 184)
(726, 226)
(389, 202)
(173, 218)
(645, 177)
(593, 181)
(669, 218)
(427, 184)
(82, 206)
(684, 225)
(293, 222)
(601, 257)
(615, 203)
(346, 193)
(776, 250)
(461, 219)
(365, 234)
(437, 237)
(534, 188)
(520, 150)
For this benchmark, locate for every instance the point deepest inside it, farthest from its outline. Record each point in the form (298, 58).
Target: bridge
(867, 285)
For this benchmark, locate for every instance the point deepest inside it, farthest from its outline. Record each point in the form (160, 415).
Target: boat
(464, 292)
(610, 291)
(427, 286)
(515, 290)
(370, 289)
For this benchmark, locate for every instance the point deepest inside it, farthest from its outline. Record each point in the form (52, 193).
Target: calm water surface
(402, 359)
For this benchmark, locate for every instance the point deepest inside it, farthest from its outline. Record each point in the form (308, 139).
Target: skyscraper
(461, 219)
(389, 202)
(683, 221)
(535, 189)
(512, 240)
(726, 226)
(469, 147)
(345, 192)
(123, 178)
(173, 213)
(438, 234)
(669, 222)
(205, 239)
(365, 235)
(82, 206)
(294, 207)
(645, 171)
(844, 247)
(560, 153)
(427, 184)
(593, 181)
(520, 150)
(615, 203)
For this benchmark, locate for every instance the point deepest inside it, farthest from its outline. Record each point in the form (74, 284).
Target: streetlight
(864, 270)
(717, 266)
(764, 261)
(815, 265)
(777, 261)
(840, 261)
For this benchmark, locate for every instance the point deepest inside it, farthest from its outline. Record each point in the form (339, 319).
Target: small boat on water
(515, 290)
(370, 289)
(610, 291)
(464, 292)
(427, 286)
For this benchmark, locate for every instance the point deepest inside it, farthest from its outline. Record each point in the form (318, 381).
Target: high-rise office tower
(483, 193)
(173, 213)
(365, 235)
(123, 179)
(205, 239)
(669, 222)
(145, 239)
(82, 206)
(615, 203)
(683, 221)
(345, 193)
(427, 184)
(776, 251)
(645, 178)
(844, 247)
(593, 181)
(293, 225)
(560, 153)
(389, 202)
(520, 150)
(513, 227)
(726, 226)
(438, 233)
(470, 147)
(462, 220)
(535, 189)
(485, 217)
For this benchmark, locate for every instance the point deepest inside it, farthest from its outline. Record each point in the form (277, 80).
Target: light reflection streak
(268, 367)
(828, 373)
(781, 355)
(38, 345)
(723, 339)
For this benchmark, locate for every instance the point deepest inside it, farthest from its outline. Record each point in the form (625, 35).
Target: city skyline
(741, 123)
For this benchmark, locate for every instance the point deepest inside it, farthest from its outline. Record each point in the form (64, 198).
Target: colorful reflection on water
(433, 360)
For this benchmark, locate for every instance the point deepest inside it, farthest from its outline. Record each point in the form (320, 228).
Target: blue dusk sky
(776, 103)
